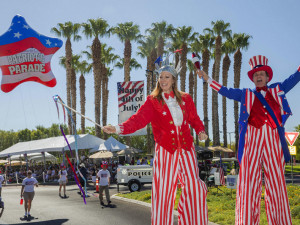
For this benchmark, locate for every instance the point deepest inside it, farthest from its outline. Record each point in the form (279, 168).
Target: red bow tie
(169, 95)
(264, 88)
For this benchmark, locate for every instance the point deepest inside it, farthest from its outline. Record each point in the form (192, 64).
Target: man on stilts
(263, 113)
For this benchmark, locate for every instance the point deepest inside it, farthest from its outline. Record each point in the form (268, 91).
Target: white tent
(48, 157)
(54, 144)
(110, 144)
(29, 156)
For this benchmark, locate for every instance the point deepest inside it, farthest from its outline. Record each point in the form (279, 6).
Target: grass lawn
(221, 207)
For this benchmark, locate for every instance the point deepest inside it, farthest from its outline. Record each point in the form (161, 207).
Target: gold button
(186, 148)
(171, 122)
(173, 148)
(183, 111)
(184, 143)
(180, 133)
(173, 143)
(182, 138)
(173, 139)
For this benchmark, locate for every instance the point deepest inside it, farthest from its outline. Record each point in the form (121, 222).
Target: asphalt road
(48, 208)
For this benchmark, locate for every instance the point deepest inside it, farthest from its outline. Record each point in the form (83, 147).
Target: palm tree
(185, 36)
(82, 67)
(68, 30)
(219, 30)
(227, 49)
(147, 44)
(191, 68)
(207, 42)
(240, 41)
(127, 32)
(163, 31)
(107, 57)
(96, 28)
(63, 63)
(132, 65)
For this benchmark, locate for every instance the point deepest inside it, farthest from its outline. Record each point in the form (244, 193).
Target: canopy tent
(219, 149)
(4, 161)
(29, 156)
(54, 144)
(48, 157)
(17, 163)
(200, 149)
(129, 150)
(110, 144)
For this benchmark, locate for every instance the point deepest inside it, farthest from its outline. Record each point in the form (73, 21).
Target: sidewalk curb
(146, 204)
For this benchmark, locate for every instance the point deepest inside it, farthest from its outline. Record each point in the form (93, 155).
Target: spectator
(63, 180)
(143, 162)
(84, 174)
(1, 181)
(28, 192)
(132, 161)
(151, 161)
(127, 159)
(138, 162)
(93, 172)
(104, 183)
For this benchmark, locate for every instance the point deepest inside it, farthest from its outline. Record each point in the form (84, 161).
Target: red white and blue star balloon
(25, 55)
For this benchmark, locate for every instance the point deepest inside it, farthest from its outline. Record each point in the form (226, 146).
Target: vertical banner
(130, 98)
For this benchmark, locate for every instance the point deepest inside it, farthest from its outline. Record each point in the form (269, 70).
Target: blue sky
(274, 26)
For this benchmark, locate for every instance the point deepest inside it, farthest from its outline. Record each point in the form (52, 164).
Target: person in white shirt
(104, 183)
(1, 181)
(63, 179)
(151, 162)
(28, 191)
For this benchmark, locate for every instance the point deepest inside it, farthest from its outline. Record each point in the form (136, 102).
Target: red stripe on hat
(260, 59)
(251, 63)
(255, 61)
(265, 62)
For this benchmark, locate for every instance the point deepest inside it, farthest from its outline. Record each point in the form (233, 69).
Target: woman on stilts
(171, 112)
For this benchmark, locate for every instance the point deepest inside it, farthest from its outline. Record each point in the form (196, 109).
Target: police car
(134, 176)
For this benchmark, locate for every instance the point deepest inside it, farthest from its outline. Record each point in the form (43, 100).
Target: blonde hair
(157, 92)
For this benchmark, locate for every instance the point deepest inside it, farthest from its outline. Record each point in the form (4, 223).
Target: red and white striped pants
(262, 148)
(167, 169)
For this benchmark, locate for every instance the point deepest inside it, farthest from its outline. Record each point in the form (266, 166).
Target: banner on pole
(130, 99)
(293, 150)
(291, 137)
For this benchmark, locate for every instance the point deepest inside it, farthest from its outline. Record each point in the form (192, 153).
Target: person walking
(171, 112)
(27, 191)
(104, 183)
(263, 113)
(84, 174)
(63, 179)
(93, 173)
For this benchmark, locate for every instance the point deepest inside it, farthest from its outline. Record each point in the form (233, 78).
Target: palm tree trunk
(127, 57)
(225, 69)
(183, 65)
(191, 87)
(237, 79)
(205, 64)
(176, 62)
(147, 93)
(160, 47)
(213, 108)
(73, 95)
(217, 78)
(195, 96)
(104, 98)
(96, 55)
(68, 62)
(82, 101)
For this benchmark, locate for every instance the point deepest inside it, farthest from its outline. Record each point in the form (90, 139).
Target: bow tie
(169, 95)
(264, 88)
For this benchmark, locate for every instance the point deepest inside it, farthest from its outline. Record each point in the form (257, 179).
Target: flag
(25, 55)
(221, 171)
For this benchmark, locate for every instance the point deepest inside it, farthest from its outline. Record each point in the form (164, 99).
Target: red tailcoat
(163, 126)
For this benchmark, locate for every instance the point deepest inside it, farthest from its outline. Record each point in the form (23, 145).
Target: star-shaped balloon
(25, 55)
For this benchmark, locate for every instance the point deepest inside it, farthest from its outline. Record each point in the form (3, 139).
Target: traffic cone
(97, 185)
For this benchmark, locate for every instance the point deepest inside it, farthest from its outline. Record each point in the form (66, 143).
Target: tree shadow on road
(30, 220)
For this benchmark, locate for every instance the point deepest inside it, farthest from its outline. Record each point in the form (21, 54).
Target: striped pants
(167, 169)
(262, 148)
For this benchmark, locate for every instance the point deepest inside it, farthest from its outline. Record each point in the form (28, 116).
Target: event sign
(232, 181)
(291, 137)
(130, 99)
(293, 150)
(217, 178)
(25, 55)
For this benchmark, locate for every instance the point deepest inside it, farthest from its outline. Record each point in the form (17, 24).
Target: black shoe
(59, 194)
(102, 203)
(65, 196)
(109, 202)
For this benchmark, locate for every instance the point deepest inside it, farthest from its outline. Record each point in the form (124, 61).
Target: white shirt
(63, 175)
(1, 180)
(29, 184)
(104, 176)
(174, 108)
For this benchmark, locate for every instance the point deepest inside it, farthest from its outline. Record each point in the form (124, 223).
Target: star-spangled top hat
(258, 63)
(104, 164)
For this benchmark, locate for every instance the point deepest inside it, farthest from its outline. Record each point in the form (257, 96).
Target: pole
(63, 156)
(292, 170)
